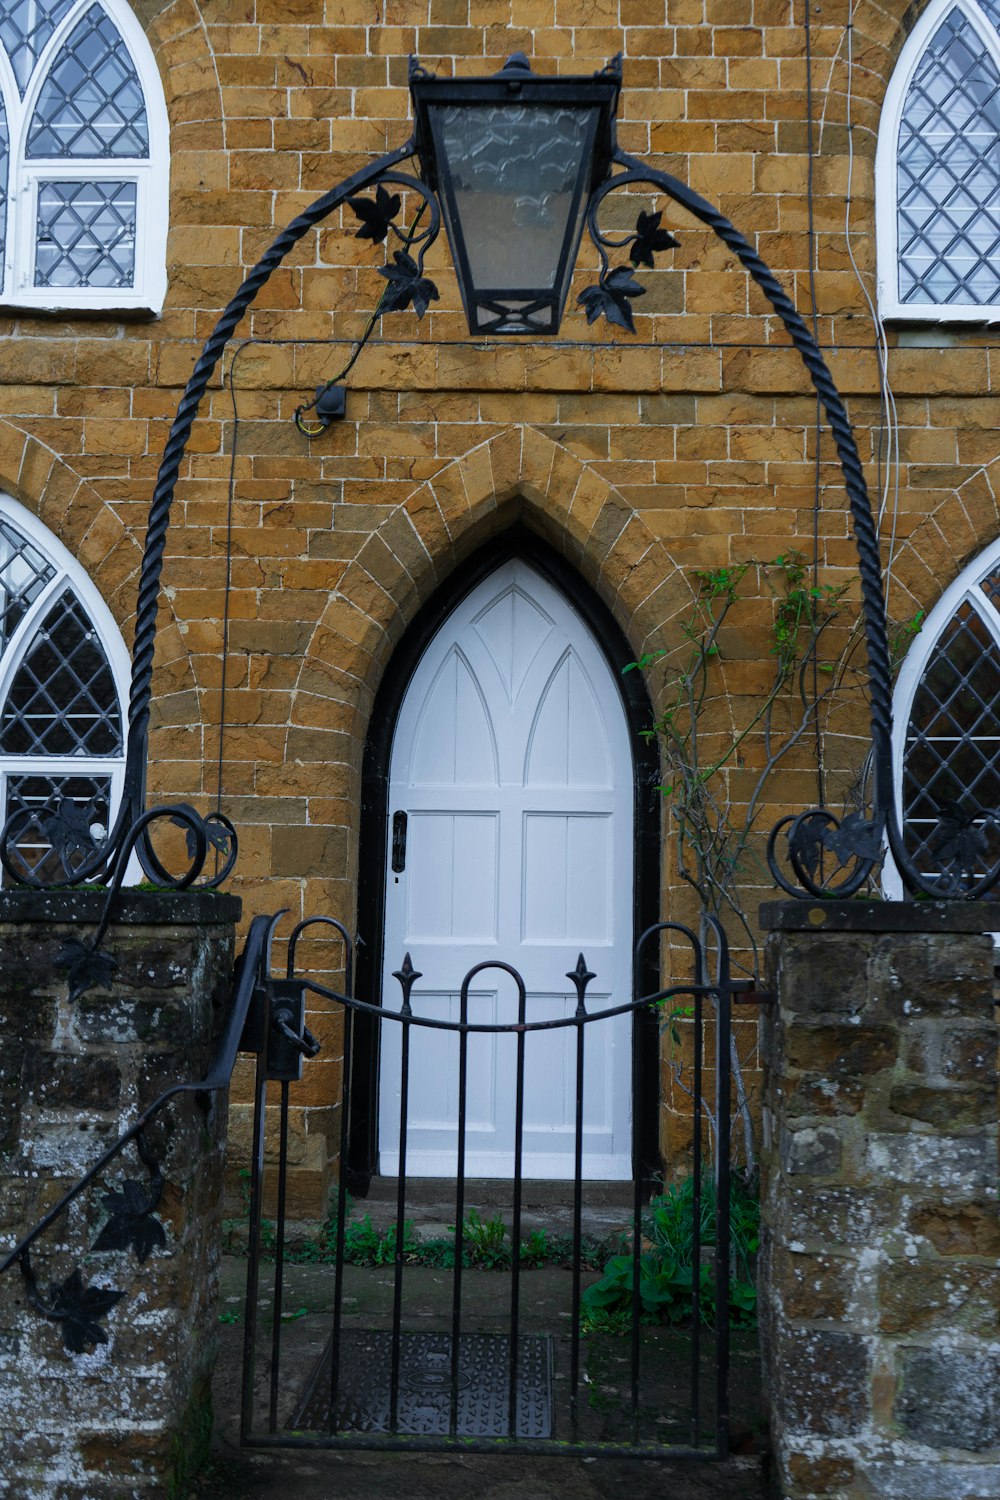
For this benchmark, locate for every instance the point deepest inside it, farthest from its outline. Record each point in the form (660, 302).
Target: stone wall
(125, 1418)
(881, 1273)
(693, 445)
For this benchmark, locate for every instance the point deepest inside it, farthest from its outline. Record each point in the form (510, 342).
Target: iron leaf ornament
(649, 239)
(376, 217)
(69, 828)
(612, 297)
(854, 838)
(216, 834)
(77, 1307)
(819, 831)
(406, 285)
(961, 835)
(805, 844)
(87, 967)
(130, 1222)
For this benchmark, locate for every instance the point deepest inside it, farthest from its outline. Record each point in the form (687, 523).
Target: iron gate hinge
(289, 1039)
(745, 992)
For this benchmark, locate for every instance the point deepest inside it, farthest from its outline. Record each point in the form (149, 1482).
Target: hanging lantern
(513, 159)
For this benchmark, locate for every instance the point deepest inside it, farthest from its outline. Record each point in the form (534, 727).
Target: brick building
(152, 153)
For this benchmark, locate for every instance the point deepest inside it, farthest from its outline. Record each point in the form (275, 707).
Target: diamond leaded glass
(91, 102)
(25, 27)
(59, 815)
(62, 700)
(85, 234)
(951, 765)
(24, 572)
(948, 208)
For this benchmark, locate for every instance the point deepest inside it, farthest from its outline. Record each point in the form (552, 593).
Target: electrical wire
(320, 427)
(817, 490)
(229, 568)
(889, 428)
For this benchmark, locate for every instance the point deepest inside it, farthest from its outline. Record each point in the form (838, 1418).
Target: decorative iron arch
(857, 844)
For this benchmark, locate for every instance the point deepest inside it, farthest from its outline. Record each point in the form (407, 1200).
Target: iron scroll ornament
(857, 844)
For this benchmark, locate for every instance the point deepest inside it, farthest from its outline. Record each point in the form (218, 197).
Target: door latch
(398, 842)
(290, 1039)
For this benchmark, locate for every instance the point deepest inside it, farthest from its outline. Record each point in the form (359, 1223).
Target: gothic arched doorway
(504, 704)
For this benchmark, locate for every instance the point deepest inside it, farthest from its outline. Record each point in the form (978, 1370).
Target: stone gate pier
(881, 1237)
(105, 1379)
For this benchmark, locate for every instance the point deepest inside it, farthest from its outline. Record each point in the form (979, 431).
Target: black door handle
(398, 842)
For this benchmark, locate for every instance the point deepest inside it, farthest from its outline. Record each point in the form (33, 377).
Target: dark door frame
(517, 542)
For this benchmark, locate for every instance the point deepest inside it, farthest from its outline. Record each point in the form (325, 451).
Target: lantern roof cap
(517, 83)
(517, 62)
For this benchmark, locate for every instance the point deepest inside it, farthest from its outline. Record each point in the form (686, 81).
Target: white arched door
(512, 763)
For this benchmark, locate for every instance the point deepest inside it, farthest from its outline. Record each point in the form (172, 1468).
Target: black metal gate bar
(574, 1357)
(474, 1419)
(253, 1243)
(403, 1442)
(697, 1085)
(463, 1099)
(635, 1343)
(513, 1361)
(723, 1021)
(341, 1222)
(279, 1253)
(407, 977)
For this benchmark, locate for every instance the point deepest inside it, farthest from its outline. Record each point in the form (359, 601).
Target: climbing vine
(721, 749)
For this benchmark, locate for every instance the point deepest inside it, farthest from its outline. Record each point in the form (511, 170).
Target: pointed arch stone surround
(520, 475)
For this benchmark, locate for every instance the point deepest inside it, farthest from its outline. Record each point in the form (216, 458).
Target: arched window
(946, 729)
(937, 174)
(63, 689)
(83, 157)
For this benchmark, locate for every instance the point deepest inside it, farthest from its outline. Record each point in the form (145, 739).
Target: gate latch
(290, 1039)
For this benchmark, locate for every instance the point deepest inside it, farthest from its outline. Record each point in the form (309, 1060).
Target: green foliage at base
(671, 1287)
(485, 1244)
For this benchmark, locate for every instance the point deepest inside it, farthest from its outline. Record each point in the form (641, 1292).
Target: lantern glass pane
(515, 176)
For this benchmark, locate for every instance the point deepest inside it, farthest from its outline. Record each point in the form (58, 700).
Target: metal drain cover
(424, 1403)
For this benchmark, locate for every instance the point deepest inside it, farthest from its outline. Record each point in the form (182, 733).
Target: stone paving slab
(288, 1474)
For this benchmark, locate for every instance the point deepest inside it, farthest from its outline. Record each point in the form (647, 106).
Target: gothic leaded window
(938, 168)
(63, 676)
(947, 729)
(83, 157)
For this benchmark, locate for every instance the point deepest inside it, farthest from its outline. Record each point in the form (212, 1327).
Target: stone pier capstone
(880, 1282)
(128, 1418)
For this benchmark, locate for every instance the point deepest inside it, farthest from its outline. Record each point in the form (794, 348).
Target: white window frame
(964, 588)
(68, 576)
(151, 176)
(886, 172)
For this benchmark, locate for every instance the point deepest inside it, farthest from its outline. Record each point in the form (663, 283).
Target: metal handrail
(253, 961)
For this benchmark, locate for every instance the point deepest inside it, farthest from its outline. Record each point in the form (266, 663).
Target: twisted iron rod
(180, 431)
(865, 535)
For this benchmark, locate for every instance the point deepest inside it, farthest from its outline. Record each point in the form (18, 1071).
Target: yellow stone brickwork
(691, 445)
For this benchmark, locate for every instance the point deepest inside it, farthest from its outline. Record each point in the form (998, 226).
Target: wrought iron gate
(453, 1356)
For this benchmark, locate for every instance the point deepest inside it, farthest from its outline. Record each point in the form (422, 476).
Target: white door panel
(453, 744)
(511, 759)
(453, 879)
